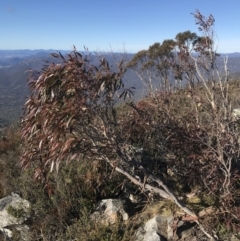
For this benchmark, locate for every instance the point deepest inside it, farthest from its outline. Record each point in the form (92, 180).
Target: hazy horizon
(82, 50)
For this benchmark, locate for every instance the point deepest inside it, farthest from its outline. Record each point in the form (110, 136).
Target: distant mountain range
(41, 52)
(14, 65)
(27, 52)
(232, 55)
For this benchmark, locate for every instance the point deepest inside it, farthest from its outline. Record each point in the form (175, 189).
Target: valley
(14, 67)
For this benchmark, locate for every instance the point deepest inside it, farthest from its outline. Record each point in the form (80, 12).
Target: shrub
(185, 138)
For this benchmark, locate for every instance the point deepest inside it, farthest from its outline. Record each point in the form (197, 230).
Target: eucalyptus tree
(201, 113)
(72, 114)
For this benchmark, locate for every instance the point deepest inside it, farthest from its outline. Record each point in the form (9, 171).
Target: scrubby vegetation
(84, 139)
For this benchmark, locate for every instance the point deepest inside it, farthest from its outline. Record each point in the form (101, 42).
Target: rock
(235, 238)
(236, 113)
(13, 212)
(152, 235)
(110, 211)
(156, 229)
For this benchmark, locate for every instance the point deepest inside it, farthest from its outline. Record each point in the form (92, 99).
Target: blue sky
(102, 25)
